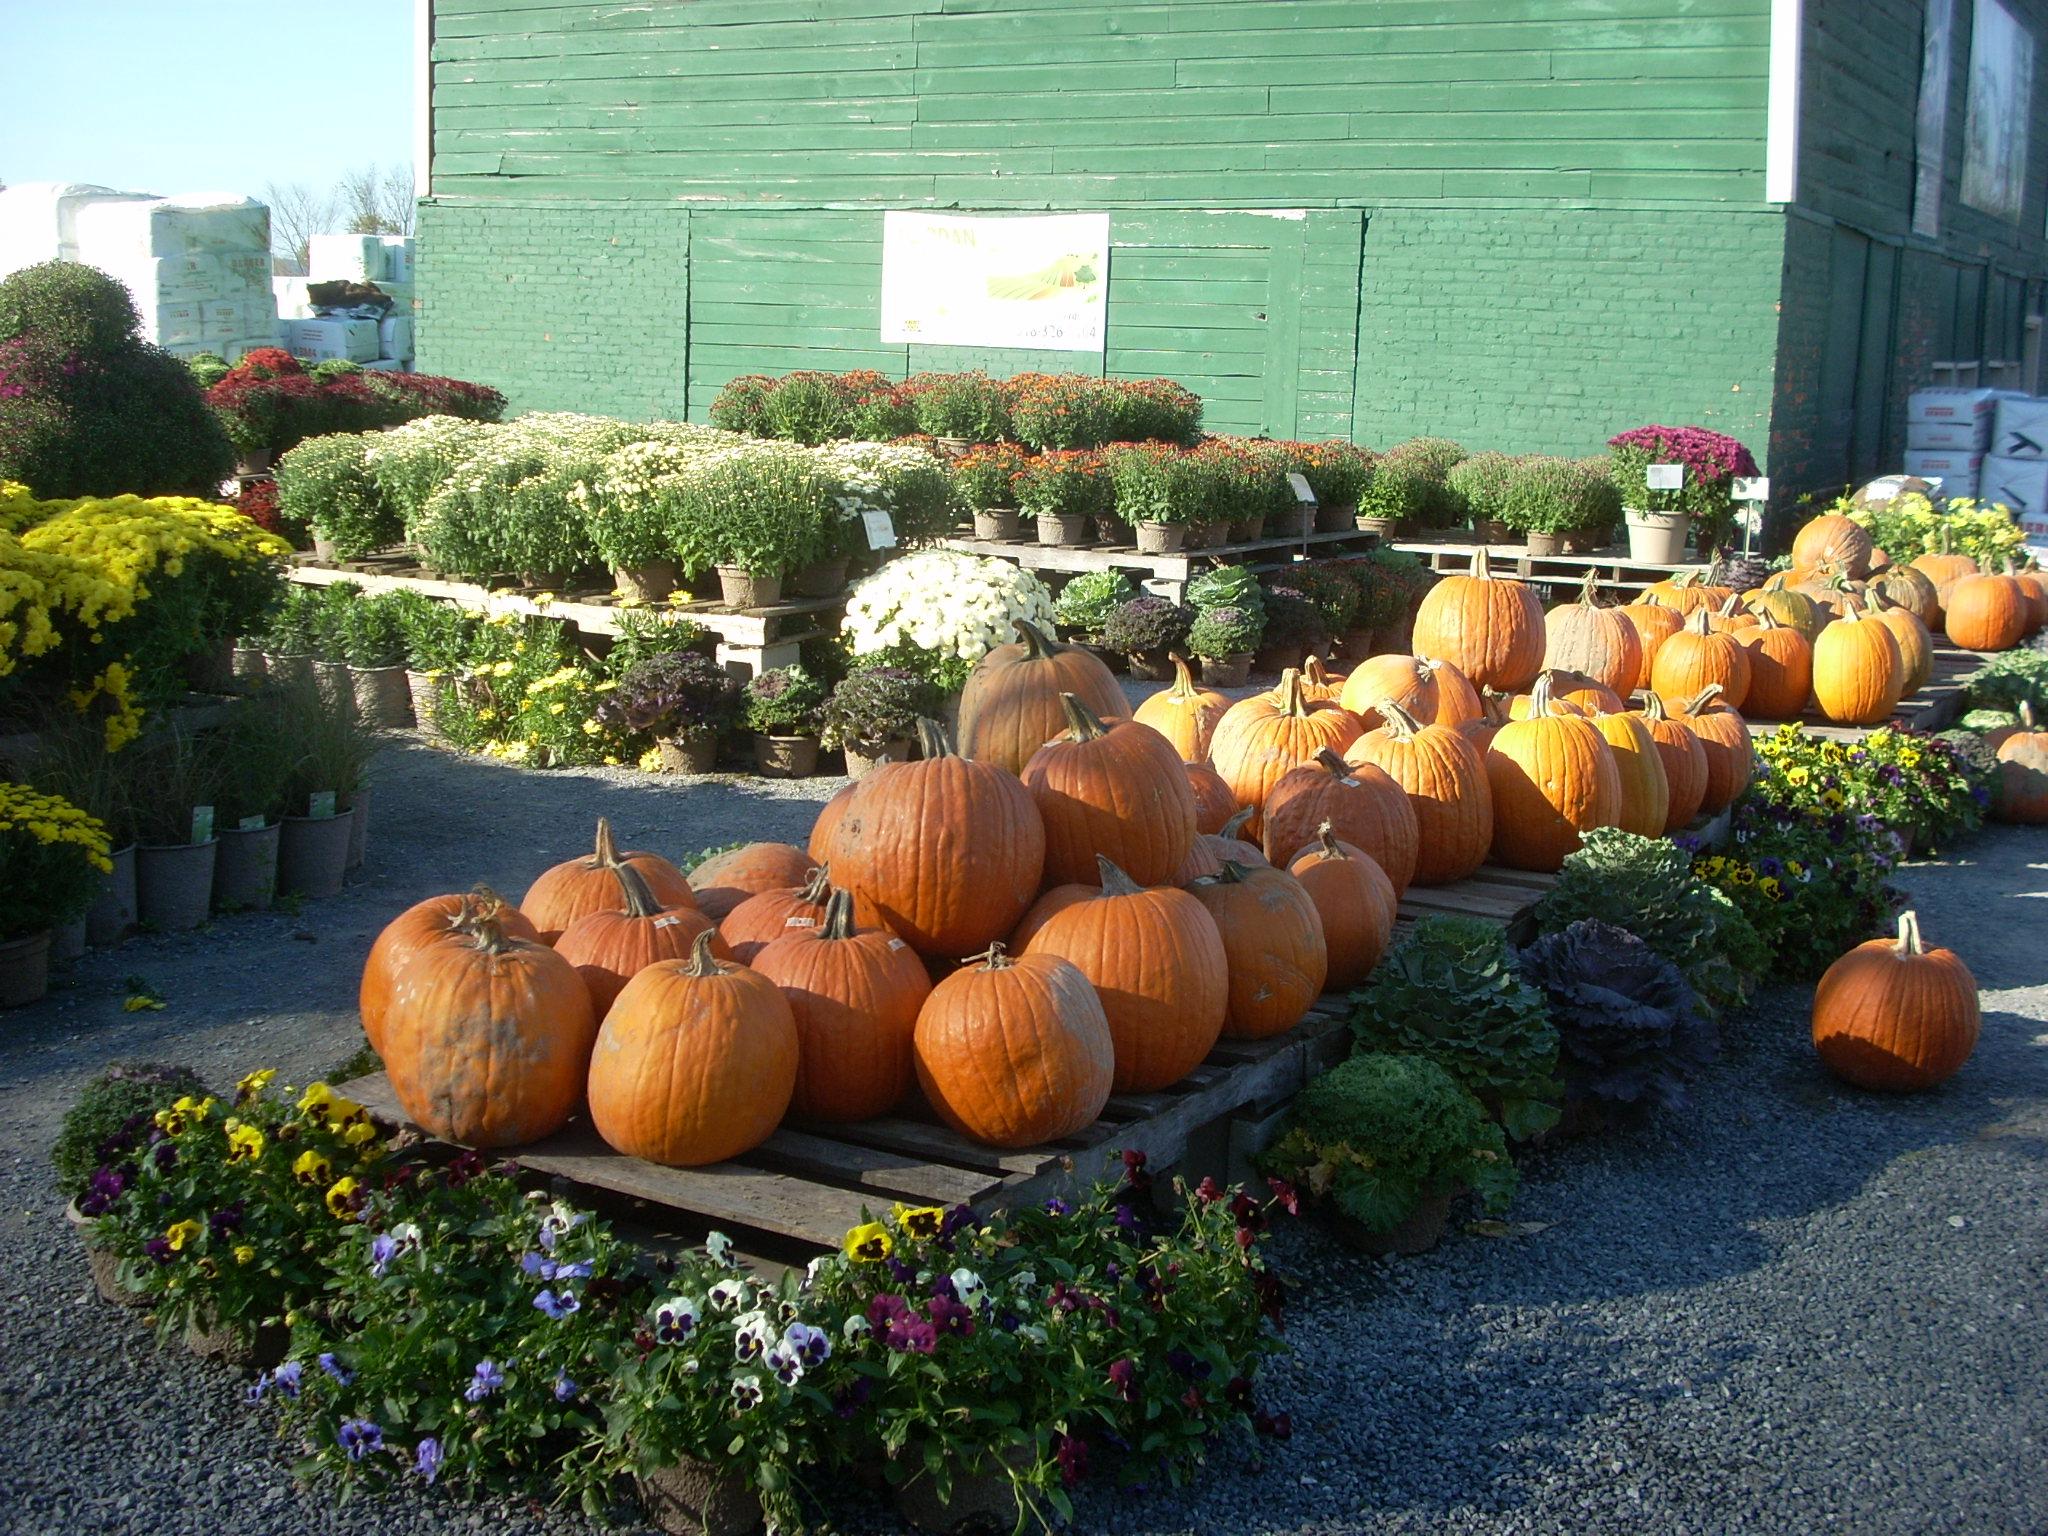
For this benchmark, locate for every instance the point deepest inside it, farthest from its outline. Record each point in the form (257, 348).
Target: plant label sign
(1665, 477)
(202, 823)
(1298, 482)
(881, 530)
(321, 804)
(1753, 488)
(250, 824)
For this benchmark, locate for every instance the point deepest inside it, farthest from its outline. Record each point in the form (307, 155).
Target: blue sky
(176, 96)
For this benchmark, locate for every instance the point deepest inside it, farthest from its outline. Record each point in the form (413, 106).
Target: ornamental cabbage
(1629, 1029)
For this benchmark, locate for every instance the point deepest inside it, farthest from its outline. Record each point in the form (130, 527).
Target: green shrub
(70, 305)
(373, 630)
(1547, 495)
(809, 408)
(1481, 485)
(326, 483)
(969, 405)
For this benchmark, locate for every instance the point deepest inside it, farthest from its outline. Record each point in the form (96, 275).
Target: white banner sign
(987, 282)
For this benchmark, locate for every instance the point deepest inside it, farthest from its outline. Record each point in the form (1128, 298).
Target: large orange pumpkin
(826, 827)
(1319, 682)
(1355, 901)
(486, 1039)
(1183, 713)
(1684, 759)
(1444, 776)
(1654, 623)
(1433, 692)
(1155, 960)
(609, 949)
(1214, 803)
(1010, 706)
(1696, 657)
(1115, 790)
(854, 995)
(695, 1063)
(2035, 586)
(1264, 736)
(1858, 674)
(725, 880)
(1724, 736)
(1916, 645)
(2022, 792)
(760, 920)
(1987, 613)
(1495, 710)
(1553, 778)
(1894, 1015)
(1364, 804)
(1944, 569)
(437, 920)
(1211, 851)
(1490, 628)
(1015, 1052)
(1583, 637)
(1645, 787)
(1273, 944)
(570, 889)
(946, 852)
(1834, 542)
(1780, 669)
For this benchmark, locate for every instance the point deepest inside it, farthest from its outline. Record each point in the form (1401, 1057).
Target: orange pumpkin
(1696, 657)
(1858, 674)
(1895, 1016)
(567, 891)
(609, 949)
(1582, 694)
(1645, 789)
(1214, 803)
(1780, 669)
(1210, 851)
(1112, 789)
(1264, 736)
(1494, 712)
(1944, 569)
(725, 880)
(1184, 714)
(1654, 623)
(760, 920)
(1687, 592)
(1916, 645)
(1444, 777)
(1597, 642)
(1272, 943)
(1010, 706)
(1318, 682)
(1731, 618)
(1987, 613)
(1553, 778)
(1724, 736)
(1433, 692)
(1015, 1052)
(2035, 586)
(437, 920)
(1684, 759)
(1490, 628)
(1155, 960)
(1910, 589)
(1355, 901)
(1835, 542)
(695, 1063)
(854, 996)
(2022, 793)
(1365, 805)
(486, 1039)
(826, 827)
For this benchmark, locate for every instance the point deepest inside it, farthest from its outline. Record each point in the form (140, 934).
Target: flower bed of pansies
(435, 1324)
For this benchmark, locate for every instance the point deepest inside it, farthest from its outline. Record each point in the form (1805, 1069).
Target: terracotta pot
(1064, 531)
(649, 583)
(245, 868)
(1161, 538)
(67, 942)
(1113, 531)
(112, 912)
(1001, 524)
(825, 579)
(694, 1498)
(1545, 543)
(785, 757)
(382, 695)
(952, 448)
(1494, 531)
(174, 884)
(694, 752)
(1336, 519)
(103, 1261)
(863, 757)
(425, 692)
(1421, 1231)
(1385, 527)
(1213, 535)
(25, 969)
(211, 670)
(289, 670)
(260, 1347)
(337, 685)
(312, 854)
(358, 825)
(1227, 671)
(740, 589)
(1150, 666)
(1656, 538)
(250, 664)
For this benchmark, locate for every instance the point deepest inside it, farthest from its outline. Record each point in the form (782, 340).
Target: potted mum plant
(1224, 639)
(374, 643)
(251, 770)
(1250, 482)
(1704, 504)
(1294, 630)
(757, 516)
(1480, 484)
(985, 478)
(872, 716)
(684, 700)
(1147, 630)
(1062, 489)
(1387, 1142)
(1337, 472)
(1548, 499)
(782, 708)
(72, 764)
(54, 855)
(960, 410)
(437, 639)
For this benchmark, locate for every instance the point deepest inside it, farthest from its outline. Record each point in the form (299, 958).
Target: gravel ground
(1794, 1308)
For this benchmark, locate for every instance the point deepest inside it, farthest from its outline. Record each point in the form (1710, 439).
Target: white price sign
(1302, 493)
(1756, 488)
(1666, 477)
(881, 531)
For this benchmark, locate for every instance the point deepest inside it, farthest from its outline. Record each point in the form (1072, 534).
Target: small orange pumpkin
(1987, 613)
(1214, 803)
(2022, 773)
(1010, 706)
(1272, 943)
(1654, 623)
(1696, 657)
(1494, 712)
(1264, 736)
(1490, 628)
(760, 920)
(1895, 1016)
(1916, 645)
(1318, 682)
(1365, 805)
(1183, 713)
(1834, 541)
(609, 949)
(1209, 852)
(1780, 669)
(1355, 901)
(570, 889)
(725, 880)
(1724, 736)
(1858, 674)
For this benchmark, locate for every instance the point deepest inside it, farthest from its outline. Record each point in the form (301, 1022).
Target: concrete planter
(785, 757)
(1336, 519)
(983, 1500)
(289, 670)
(1356, 645)
(649, 583)
(1227, 671)
(1545, 543)
(1494, 531)
(742, 589)
(25, 969)
(863, 757)
(174, 884)
(998, 523)
(246, 1348)
(1113, 531)
(312, 854)
(381, 696)
(695, 1498)
(1385, 527)
(1161, 538)
(1150, 666)
(245, 868)
(67, 943)
(425, 692)
(337, 685)
(1212, 535)
(696, 752)
(1062, 530)
(1248, 530)
(112, 912)
(250, 664)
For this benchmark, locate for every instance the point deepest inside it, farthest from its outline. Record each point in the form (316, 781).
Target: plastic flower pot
(1160, 538)
(337, 685)
(785, 757)
(234, 1345)
(174, 884)
(112, 912)
(67, 942)
(694, 1497)
(245, 869)
(1545, 543)
(649, 583)
(1063, 530)
(1385, 527)
(211, 670)
(289, 669)
(425, 692)
(981, 1499)
(24, 969)
(102, 1260)
(312, 854)
(999, 523)
(1113, 531)
(1336, 519)
(253, 462)
(827, 578)
(741, 589)
(690, 752)
(863, 757)
(1227, 671)
(1657, 538)
(1420, 1231)
(358, 825)
(323, 548)
(250, 664)
(1150, 666)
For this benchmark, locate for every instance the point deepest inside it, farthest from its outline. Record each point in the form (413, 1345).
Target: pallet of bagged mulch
(1935, 707)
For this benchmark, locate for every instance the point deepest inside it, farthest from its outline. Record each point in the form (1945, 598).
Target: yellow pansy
(244, 1253)
(341, 1197)
(312, 1167)
(254, 1084)
(920, 1222)
(245, 1142)
(315, 1101)
(179, 1233)
(870, 1242)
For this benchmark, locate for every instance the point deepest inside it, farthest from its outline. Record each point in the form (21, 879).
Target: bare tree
(377, 200)
(297, 213)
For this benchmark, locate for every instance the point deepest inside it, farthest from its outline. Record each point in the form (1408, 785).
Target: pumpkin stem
(1326, 838)
(1082, 723)
(1732, 607)
(1401, 725)
(1291, 703)
(1653, 708)
(1539, 696)
(1234, 828)
(932, 740)
(1493, 706)
(1588, 595)
(1333, 762)
(607, 851)
(1909, 934)
(993, 958)
(1232, 873)
(633, 886)
(1764, 620)
(702, 962)
(1480, 569)
(484, 929)
(818, 889)
(1036, 646)
(1701, 621)
(1114, 881)
(1849, 613)
(1183, 680)
(1312, 672)
(1701, 700)
(838, 915)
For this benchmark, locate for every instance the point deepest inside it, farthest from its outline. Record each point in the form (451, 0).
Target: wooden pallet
(1166, 575)
(1611, 567)
(1934, 708)
(799, 1191)
(750, 640)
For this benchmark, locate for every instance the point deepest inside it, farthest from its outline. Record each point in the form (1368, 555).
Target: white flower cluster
(955, 604)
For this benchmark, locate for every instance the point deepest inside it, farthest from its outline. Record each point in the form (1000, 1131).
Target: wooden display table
(1166, 575)
(1611, 567)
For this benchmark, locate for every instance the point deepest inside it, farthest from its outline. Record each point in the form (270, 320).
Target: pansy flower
(674, 1319)
(360, 1437)
(485, 1380)
(557, 1307)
